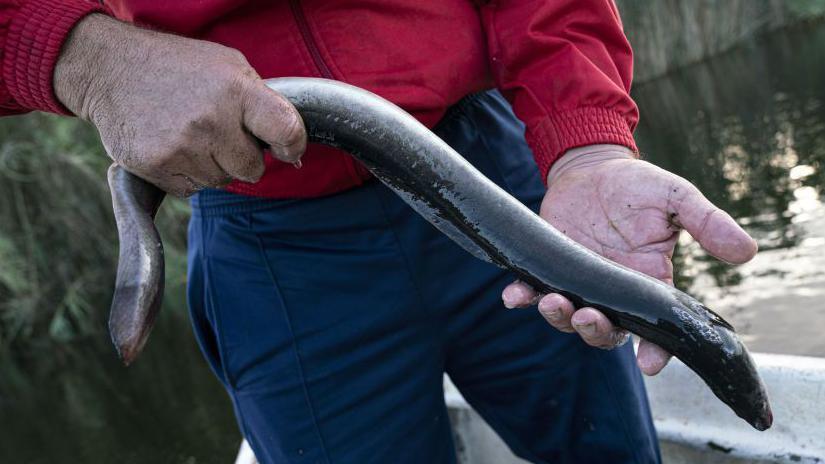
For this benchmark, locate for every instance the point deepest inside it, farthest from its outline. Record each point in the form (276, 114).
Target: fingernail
(553, 312)
(547, 306)
(588, 330)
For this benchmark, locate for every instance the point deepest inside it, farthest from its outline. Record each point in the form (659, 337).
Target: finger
(713, 228)
(557, 310)
(178, 185)
(242, 159)
(190, 170)
(271, 118)
(178, 174)
(202, 167)
(651, 358)
(596, 330)
(518, 295)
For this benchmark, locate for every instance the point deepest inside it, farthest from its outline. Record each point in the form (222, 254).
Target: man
(327, 308)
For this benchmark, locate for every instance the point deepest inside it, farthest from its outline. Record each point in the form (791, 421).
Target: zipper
(309, 41)
(356, 171)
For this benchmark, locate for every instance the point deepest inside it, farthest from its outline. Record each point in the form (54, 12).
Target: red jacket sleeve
(31, 35)
(566, 67)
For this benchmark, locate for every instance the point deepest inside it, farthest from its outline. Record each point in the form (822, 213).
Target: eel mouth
(763, 417)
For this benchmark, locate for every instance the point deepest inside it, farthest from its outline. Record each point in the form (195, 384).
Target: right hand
(631, 212)
(183, 114)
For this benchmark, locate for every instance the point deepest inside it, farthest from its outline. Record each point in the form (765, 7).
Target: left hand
(631, 212)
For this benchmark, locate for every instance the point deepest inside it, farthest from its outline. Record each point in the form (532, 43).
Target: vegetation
(60, 382)
(58, 242)
(58, 249)
(670, 34)
(64, 396)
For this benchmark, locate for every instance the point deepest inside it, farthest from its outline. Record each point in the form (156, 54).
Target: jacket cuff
(33, 42)
(552, 136)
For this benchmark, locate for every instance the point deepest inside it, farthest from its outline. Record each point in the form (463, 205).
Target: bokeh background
(732, 97)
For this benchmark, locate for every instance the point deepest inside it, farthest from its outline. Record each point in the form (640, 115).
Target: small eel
(474, 212)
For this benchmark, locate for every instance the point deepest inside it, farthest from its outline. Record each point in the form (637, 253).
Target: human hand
(184, 114)
(631, 212)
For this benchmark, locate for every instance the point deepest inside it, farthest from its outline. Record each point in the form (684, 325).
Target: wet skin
(481, 217)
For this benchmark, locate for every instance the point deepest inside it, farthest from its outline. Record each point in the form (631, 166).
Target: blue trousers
(331, 321)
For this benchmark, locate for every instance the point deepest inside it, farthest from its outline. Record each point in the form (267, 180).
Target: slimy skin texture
(478, 215)
(140, 270)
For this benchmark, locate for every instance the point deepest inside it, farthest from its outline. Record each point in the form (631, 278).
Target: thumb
(271, 118)
(713, 228)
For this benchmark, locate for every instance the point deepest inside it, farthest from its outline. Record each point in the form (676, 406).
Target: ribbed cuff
(550, 138)
(33, 42)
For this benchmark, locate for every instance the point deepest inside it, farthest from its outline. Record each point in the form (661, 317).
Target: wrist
(587, 157)
(85, 64)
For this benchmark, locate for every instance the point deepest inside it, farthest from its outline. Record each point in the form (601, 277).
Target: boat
(693, 426)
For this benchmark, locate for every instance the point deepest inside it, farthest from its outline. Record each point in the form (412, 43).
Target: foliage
(58, 243)
(670, 34)
(60, 380)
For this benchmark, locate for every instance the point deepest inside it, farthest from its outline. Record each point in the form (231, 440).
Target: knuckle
(228, 55)
(236, 55)
(238, 60)
(685, 190)
(236, 84)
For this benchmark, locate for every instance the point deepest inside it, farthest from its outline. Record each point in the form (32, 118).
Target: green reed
(58, 242)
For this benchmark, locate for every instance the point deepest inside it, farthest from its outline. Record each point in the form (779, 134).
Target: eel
(474, 212)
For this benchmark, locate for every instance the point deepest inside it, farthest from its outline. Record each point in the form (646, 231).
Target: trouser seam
(217, 331)
(419, 296)
(216, 318)
(298, 360)
(616, 400)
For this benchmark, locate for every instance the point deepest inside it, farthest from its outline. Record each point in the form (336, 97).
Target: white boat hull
(693, 426)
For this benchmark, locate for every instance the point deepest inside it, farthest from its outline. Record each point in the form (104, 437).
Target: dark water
(82, 406)
(748, 128)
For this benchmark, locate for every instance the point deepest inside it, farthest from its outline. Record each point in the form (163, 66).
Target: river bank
(670, 34)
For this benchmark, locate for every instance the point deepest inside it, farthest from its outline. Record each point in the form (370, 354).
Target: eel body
(140, 268)
(474, 212)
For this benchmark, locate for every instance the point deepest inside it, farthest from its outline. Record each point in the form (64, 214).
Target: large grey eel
(474, 212)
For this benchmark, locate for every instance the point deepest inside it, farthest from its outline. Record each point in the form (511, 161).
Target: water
(80, 405)
(748, 128)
